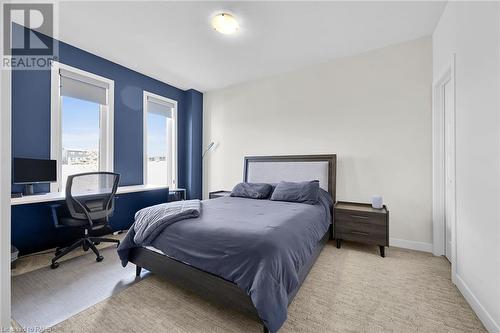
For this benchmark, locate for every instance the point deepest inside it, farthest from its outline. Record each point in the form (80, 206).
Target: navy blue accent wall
(194, 142)
(31, 117)
(30, 123)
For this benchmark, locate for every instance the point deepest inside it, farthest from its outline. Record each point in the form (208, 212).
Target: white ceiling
(174, 42)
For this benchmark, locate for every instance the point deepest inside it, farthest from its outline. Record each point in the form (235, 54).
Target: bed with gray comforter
(260, 245)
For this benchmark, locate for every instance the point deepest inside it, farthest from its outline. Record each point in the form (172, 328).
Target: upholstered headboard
(293, 168)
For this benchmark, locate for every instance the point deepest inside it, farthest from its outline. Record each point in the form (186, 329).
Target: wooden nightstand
(361, 223)
(218, 194)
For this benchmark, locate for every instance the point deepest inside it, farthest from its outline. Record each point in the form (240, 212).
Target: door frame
(438, 161)
(5, 189)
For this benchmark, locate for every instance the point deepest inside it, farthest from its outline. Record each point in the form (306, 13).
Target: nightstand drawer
(379, 219)
(365, 227)
(365, 231)
(361, 236)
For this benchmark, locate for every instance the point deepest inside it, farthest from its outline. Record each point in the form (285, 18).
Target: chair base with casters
(87, 242)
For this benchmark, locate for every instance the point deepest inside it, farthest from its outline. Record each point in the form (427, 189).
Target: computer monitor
(29, 171)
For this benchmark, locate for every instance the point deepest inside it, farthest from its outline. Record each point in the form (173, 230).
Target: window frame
(172, 175)
(106, 122)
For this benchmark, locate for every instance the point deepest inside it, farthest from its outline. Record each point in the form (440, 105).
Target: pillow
(303, 192)
(252, 190)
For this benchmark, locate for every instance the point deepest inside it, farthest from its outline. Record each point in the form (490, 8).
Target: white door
(449, 148)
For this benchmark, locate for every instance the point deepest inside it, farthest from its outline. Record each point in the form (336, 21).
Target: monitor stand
(28, 189)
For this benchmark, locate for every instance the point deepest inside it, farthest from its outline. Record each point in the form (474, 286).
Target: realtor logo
(26, 30)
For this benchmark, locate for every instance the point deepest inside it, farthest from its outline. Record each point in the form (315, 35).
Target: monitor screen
(30, 170)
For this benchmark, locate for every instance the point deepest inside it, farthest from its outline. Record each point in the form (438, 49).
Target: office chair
(90, 202)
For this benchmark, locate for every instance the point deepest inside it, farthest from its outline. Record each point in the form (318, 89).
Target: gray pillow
(303, 192)
(252, 190)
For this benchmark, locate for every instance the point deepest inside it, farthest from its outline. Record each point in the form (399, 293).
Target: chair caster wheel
(97, 243)
(99, 259)
(54, 265)
(58, 251)
(86, 248)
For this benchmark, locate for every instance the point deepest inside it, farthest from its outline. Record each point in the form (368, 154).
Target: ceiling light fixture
(225, 23)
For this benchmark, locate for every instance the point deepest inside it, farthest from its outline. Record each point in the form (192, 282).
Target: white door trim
(5, 182)
(438, 161)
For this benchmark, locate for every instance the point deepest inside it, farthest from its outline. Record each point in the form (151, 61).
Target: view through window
(157, 148)
(80, 136)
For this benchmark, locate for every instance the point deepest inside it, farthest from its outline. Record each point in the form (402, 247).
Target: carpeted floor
(348, 290)
(46, 297)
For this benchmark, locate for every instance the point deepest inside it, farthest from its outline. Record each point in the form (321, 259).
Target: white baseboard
(412, 245)
(482, 313)
(485, 317)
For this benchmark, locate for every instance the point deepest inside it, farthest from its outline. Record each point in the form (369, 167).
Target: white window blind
(160, 107)
(83, 87)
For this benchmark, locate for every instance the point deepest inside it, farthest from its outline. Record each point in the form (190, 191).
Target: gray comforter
(260, 245)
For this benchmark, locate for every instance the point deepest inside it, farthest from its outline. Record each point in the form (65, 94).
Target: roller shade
(160, 107)
(82, 87)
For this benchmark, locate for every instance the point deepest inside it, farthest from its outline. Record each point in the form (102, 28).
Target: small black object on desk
(177, 194)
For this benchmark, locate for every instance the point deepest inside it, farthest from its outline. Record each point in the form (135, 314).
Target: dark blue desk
(32, 226)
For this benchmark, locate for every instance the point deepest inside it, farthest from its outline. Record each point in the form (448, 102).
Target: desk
(61, 196)
(33, 229)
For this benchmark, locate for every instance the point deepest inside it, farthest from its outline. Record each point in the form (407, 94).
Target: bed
(251, 255)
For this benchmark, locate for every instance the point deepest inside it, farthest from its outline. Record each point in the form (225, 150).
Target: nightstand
(361, 223)
(218, 194)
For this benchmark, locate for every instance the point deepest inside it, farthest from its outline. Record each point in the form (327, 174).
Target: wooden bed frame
(215, 288)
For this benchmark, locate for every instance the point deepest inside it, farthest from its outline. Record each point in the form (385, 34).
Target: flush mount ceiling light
(225, 23)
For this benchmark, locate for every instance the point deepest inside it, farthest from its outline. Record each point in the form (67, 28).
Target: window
(160, 144)
(81, 123)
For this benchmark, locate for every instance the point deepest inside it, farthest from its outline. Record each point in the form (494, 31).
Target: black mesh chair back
(90, 196)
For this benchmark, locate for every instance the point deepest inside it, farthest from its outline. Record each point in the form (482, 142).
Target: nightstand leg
(339, 241)
(382, 251)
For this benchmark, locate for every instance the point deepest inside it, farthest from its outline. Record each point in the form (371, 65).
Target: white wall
(373, 110)
(472, 32)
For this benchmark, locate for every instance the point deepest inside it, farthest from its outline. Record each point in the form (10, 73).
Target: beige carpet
(348, 290)
(46, 297)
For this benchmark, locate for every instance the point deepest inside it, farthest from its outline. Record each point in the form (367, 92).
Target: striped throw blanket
(150, 221)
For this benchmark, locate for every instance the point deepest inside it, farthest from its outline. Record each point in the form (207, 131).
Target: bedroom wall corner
(372, 109)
